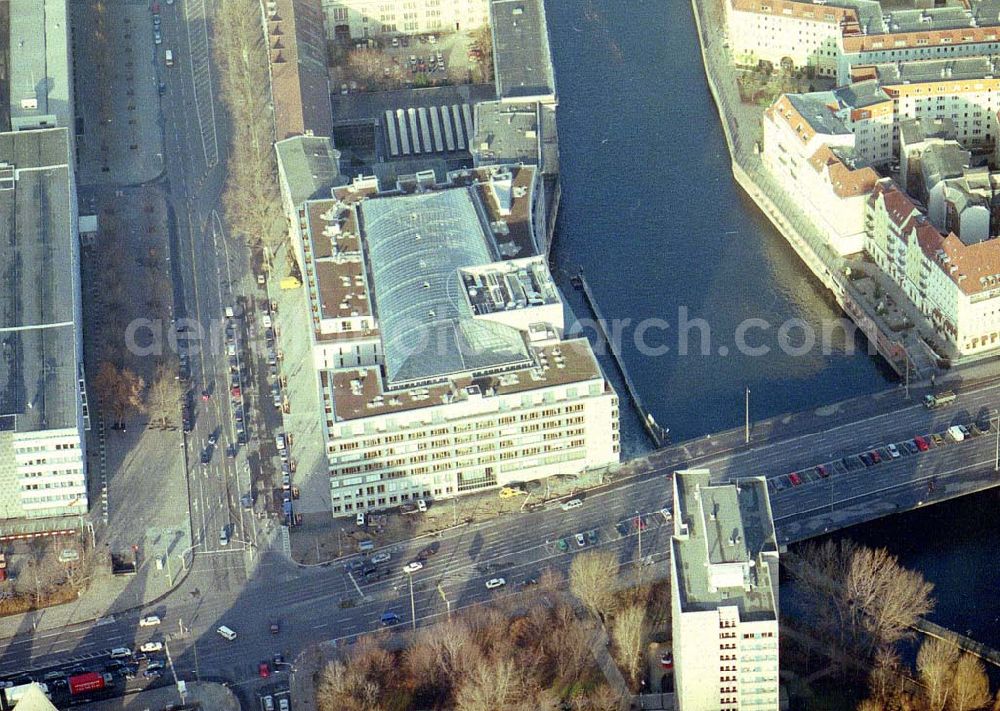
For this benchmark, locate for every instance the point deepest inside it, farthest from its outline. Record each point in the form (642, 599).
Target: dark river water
(651, 213)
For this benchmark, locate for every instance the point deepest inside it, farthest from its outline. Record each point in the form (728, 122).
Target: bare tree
(935, 665)
(884, 682)
(492, 684)
(871, 705)
(970, 687)
(482, 42)
(164, 397)
(592, 578)
(861, 597)
(366, 65)
(629, 633)
(120, 391)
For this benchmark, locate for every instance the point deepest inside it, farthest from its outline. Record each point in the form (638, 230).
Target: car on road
(274, 627)
(279, 658)
(149, 621)
(381, 557)
(390, 618)
(205, 395)
(413, 566)
(494, 583)
(581, 540)
(162, 89)
(263, 670)
(157, 36)
(156, 20)
(563, 545)
(795, 479)
(213, 437)
(571, 504)
(921, 443)
(151, 647)
(429, 550)
(893, 451)
(206, 456)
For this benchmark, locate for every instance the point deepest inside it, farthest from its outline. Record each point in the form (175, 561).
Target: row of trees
(949, 680)
(251, 201)
(122, 393)
(514, 654)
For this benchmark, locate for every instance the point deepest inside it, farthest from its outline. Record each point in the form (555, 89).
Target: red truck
(87, 682)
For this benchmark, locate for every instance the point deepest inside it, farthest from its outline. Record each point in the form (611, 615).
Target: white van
(168, 57)
(226, 633)
(121, 653)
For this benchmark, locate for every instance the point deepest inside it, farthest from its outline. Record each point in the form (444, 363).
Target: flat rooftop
(724, 530)
(360, 392)
(38, 289)
(506, 133)
(815, 109)
(41, 91)
(521, 58)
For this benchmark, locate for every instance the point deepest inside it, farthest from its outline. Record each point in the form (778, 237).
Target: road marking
(356, 586)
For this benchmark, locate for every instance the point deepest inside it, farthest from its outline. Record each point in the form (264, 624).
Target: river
(652, 214)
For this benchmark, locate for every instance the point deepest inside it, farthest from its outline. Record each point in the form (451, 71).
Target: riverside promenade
(905, 351)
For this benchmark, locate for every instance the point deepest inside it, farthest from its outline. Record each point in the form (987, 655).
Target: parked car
(571, 504)
(822, 471)
(494, 583)
(263, 670)
(867, 459)
(563, 545)
(921, 444)
(580, 540)
(381, 557)
(623, 528)
(893, 451)
(910, 446)
(429, 550)
(412, 567)
(876, 457)
(795, 479)
(937, 439)
(592, 536)
(149, 621)
(151, 647)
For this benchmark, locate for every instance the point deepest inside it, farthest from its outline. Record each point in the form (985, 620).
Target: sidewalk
(200, 695)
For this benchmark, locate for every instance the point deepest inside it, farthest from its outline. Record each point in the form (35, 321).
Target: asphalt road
(307, 602)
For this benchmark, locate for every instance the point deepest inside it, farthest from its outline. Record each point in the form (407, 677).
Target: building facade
(439, 342)
(724, 595)
(954, 284)
(360, 19)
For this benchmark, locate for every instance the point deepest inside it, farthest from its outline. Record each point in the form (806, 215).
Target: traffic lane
(938, 466)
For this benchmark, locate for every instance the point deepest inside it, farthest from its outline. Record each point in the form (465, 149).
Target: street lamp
(413, 607)
(638, 523)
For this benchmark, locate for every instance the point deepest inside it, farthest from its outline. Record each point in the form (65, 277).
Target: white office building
(724, 595)
(359, 19)
(439, 342)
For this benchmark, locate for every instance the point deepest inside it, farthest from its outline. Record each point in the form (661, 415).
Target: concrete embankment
(900, 352)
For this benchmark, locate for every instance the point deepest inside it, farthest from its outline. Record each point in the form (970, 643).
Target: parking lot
(407, 62)
(871, 458)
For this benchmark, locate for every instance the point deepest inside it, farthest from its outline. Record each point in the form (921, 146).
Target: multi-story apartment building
(965, 91)
(42, 403)
(953, 282)
(804, 33)
(832, 37)
(438, 342)
(724, 594)
(813, 154)
(358, 19)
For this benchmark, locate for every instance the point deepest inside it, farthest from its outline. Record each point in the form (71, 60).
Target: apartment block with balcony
(439, 342)
(724, 594)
